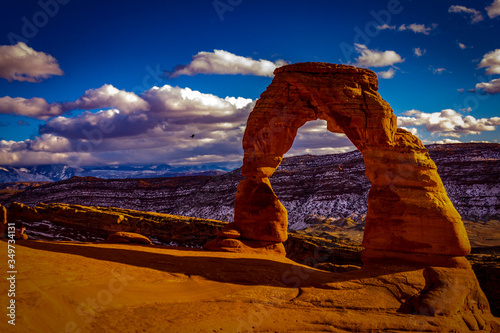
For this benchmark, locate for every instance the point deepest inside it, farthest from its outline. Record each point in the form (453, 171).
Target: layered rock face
(303, 184)
(96, 223)
(63, 222)
(409, 211)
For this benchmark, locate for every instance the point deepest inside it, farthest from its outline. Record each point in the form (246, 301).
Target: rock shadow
(243, 270)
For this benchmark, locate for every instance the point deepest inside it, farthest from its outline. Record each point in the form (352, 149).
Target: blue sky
(110, 82)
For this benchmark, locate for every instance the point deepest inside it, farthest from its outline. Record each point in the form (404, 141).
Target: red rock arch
(409, 213)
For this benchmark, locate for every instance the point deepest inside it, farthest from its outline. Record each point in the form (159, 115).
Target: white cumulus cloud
(44, 149)
(388, 74)
(375, 58)
(475, 15)
(33, 107)
(386, 26)
(163, 132)
(184, 102)
(448, 122)
(21, 63)
(493, 10)
(108, 96)
(412, 130)
(51, 143)
(419, 52)
(314, 138)
(224, 62)
(445, 141)
(491, 61)
(491, 88)
(418, 28)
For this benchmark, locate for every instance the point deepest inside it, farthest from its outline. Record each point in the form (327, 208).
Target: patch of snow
(298, 226)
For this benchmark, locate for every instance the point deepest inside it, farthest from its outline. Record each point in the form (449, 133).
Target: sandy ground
(85, 287)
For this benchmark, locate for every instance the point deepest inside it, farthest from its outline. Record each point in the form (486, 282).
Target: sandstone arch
(409, 213)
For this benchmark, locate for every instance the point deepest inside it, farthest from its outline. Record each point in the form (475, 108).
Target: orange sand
(84, 287)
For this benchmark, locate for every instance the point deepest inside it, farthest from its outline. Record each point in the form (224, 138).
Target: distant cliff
(329, 186)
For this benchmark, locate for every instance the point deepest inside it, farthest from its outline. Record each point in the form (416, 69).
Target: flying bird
(192, 136)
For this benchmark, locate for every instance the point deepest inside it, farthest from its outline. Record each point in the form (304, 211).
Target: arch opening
(314, 138)
(308, 206)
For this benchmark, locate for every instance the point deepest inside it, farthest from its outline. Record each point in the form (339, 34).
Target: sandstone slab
(126, 288)
(128, 237)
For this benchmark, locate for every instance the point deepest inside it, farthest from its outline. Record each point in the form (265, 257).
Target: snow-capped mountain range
(57, 172)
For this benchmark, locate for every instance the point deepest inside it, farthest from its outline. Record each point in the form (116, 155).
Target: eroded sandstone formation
(128, 237)
(94, 224)
(410, 219)
(409, 213)
(125, 223)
